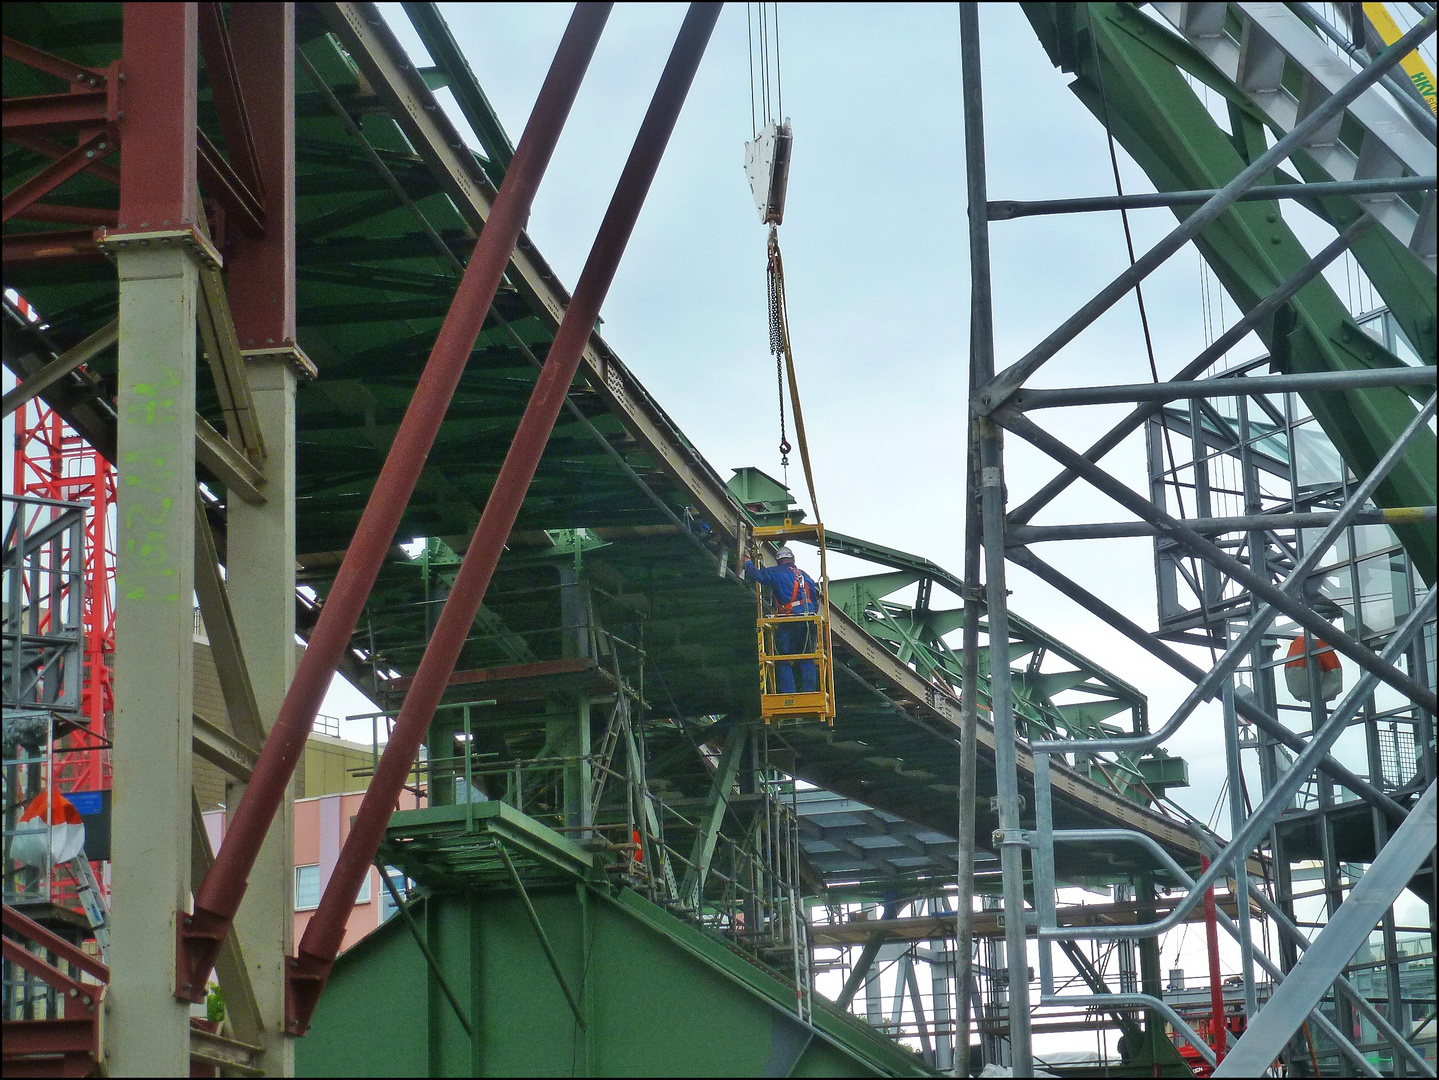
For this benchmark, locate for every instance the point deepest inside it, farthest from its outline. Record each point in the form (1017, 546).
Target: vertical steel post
(220, 894)
(1009, 835)
(149, 1033)
(157, 171)
(968, 748)
(1237, 817)
(321, 941)
(941, 970)
(260, 559)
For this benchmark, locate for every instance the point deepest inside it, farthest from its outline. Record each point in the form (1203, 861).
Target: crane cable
(765, 90)
(784, 365)
(777, 340)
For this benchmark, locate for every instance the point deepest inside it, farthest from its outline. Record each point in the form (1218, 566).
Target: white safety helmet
(784, 553)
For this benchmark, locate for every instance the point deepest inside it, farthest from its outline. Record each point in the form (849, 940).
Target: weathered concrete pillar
(148, 1029)
(261, 586)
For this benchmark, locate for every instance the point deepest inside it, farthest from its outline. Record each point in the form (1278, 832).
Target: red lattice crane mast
(53, 462)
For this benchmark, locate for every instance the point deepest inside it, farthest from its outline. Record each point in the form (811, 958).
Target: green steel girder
(917, 638)
(712, 816)
(659, 998)
(455, 846)
(1026, 637)
(1404, 283)
(1156, 116)
(443, 50)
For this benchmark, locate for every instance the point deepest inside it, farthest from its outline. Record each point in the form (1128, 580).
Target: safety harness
(786, 607)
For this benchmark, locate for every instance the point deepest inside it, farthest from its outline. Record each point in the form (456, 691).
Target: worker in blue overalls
(794, 593)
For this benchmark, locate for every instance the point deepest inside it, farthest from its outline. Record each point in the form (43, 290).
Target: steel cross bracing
(1160, 121)
(1254, 56)
(1131, 74)
(353, 403)
(342, 269)
(373, 287)
(1262, 442)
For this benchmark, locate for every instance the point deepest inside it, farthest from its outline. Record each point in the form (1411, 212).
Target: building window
(307, 887)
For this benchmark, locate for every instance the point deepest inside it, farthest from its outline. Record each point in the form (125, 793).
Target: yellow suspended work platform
(771, 626)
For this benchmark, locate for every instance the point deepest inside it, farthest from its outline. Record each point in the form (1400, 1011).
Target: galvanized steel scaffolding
(1394, 470)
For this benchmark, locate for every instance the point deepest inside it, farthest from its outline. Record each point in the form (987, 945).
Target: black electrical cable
(1144, 314)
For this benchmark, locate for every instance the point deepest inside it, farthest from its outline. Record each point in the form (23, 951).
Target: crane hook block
(766, 163)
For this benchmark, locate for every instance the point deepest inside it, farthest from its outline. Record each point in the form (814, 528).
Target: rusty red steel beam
(220, 179)
(219, 895)
(51, 1048)
(225, 88)
(213, 170)
(60, 214)
(325, 931)
(53, 247)
(27, 928)
(48, 113)
(157, 165)
(72, 991)
(54, 150)
(93, 100)
(88, 151)
(262, 269)
(51, 64)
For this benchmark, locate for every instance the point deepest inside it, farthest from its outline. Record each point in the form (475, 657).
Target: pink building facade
(321, 825)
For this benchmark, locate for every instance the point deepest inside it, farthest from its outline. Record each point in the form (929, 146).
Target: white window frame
(296, 894)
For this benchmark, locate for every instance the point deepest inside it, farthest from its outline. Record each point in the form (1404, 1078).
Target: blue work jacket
(794, 591)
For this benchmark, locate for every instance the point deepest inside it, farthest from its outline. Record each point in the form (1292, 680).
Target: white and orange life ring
(1296, 670)
(65, 834)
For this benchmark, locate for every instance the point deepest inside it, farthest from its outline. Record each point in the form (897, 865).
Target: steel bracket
(198, 938)
(304, 982)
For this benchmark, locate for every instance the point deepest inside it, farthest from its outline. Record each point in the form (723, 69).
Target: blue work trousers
(791, 638)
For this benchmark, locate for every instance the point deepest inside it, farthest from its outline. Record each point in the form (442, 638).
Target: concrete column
(260, 581)
(148, 1029)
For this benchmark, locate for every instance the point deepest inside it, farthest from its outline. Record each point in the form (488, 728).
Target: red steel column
(1218, 1040)
(157, 169)
(261, 279)
(321, 942)
(219, 895)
